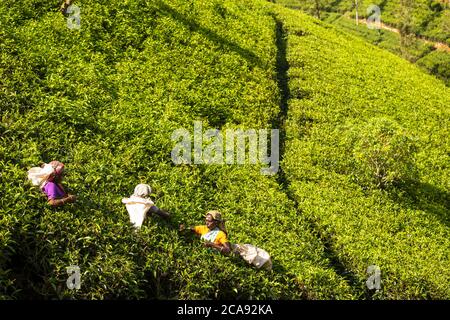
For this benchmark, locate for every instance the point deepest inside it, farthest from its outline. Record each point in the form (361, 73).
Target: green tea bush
(105, 100)
(6, 248)
(376, 154)
(384, 153)
(385, 39)
(428, 18)
(437, 63)
(350, 100)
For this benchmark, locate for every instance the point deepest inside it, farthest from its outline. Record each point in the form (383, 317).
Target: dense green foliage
(416, 48)
(383, 38)
(430, 18)
(339, 85)
(438, 63)
(418, 51)
(383, 153)
(105, 100)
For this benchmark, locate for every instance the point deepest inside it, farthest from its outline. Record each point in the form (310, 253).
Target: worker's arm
(224, 248)
(162, 213)
(62, 201)
(182, 228)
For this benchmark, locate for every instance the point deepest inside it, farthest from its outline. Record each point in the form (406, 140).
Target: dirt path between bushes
(437, 45)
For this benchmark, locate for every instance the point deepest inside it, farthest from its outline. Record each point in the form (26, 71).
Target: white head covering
(142, 190)
(39, 175)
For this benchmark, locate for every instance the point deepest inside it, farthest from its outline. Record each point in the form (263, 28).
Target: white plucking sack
(38, 175)
(137, 208)
(254, 255)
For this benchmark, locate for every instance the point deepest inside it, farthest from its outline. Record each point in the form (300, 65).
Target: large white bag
(137, 208)
(38, 175)
(258, 257)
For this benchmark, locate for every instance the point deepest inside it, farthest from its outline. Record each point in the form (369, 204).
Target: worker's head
(142, 190)
(214, 219)
(58, 171)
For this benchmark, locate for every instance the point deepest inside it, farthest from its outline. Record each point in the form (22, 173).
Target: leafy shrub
(349, 98)
(429, 18)
(384, 153)
(105, 100)
(437, 63)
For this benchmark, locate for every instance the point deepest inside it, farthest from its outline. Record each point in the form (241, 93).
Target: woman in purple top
(53, 188)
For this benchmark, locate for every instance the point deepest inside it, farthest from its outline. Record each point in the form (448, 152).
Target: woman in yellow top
(214, 232)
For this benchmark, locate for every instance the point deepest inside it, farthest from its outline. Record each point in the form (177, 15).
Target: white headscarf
(142, 190)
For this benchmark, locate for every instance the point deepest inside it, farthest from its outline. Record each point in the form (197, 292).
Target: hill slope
(350, 103)
(105, 99)
(429, 18)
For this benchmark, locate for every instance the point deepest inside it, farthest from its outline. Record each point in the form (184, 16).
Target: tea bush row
(341, 89)
(105, 100)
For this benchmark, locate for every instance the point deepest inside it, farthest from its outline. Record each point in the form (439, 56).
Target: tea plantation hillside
(367, 157)
(430, 56)
(418, 31)
(429, 18)
(106, 98)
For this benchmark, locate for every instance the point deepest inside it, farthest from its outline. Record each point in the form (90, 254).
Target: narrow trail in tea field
(436, 44)
(282, 67)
